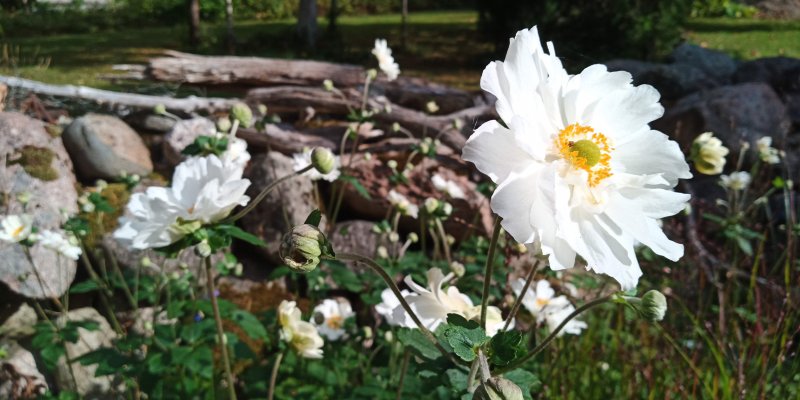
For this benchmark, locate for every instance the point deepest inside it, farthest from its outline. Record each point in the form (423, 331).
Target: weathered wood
(187, 105)
(265, 72)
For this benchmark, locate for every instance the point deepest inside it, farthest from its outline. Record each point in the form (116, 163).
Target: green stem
(445, 244)
(538, 349)
(226, 362)
(688, 360)
(264, 193)
(55, 327)
(403, 370)
(518, 301)
(125, 288)
(489, 270)
(274, 375)
(390, 282)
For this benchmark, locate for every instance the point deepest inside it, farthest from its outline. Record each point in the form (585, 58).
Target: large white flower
(386, 63)
(16, 228)
(541, 300)
(390, 302)
(579, 171)
(403, 205)
(204, 190)
(329, 317)
(302, 336)
(302, 160)
(448, 187)
(433, 303)
(60, 243)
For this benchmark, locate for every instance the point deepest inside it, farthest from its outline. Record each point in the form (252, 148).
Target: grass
(442, 46)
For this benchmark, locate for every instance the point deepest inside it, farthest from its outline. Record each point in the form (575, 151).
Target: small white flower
(766, 152)
(555, 318)
(431, 107)
(449, 187)
(329, 317)
(16, 228)
(542, 298)
(708, 154)
(302, 160)
(57, 242)
(386, 63)
(403, 205)
(739, 180)
(302, 336)
(388, 304)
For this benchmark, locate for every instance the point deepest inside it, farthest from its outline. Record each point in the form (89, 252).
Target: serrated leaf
(416, 340)
(465, 337)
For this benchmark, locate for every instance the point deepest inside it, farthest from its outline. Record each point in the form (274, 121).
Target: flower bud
(372, 73)
(391, 164)
(382, 252)
(498, 388)
(447, 208)
(413, 237)
(431, 205)
(224, 124)
(203, 249)
(327, 84)
(431, 107)
(394, 237)
(302, 248)
(24, 197)
(654, 306)
(395, 127)
(242, 113)
(262, 109)
(160, 109)
(323, 160)
(457, 268)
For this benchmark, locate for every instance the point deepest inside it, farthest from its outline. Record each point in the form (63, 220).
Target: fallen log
(266, 72)
(185, 105)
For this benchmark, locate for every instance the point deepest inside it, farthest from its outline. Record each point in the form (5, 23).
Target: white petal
(494, 151)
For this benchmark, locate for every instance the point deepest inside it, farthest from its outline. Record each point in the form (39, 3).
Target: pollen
(586, 150)
(335, 322)
(17, 231)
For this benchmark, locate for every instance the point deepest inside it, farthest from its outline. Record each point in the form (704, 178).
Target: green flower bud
(653, 306)
(498, 388)
(242, 113)
(224, 124)
(372, 73)
(203, 249)
(323, 160)
(160, 109)
(303, 247)
(327, 84)
(262, 109)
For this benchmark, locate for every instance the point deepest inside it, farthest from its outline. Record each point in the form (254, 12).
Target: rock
(782, 73)
(183, 133)
(19, 377)
(20, 323)
(40, 166)
(354, 237)
(288, 205)
(735, 113)
(88, 385)
(147, 121)
(104, 147)
(673, 81)
(715, 64)
(782, 9)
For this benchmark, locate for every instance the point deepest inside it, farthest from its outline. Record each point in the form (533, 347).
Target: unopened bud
(653, 306)
(457, 268)
(323, 160)
(431, 107)
(303, 247)
(413, 237)
(224, 124)
(203, 249)
(382, 252)
(431, 205)
(372, 73)
(242, 113)
(262, 109)
(391, 164)
(395, 127)
(327, 84)
(160, 109)
(394, 237)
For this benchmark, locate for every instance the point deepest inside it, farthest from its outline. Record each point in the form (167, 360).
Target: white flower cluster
(386, 62)
(302, 336)
(546, 307)
(19, 229)
(766, 152)
(402, 204)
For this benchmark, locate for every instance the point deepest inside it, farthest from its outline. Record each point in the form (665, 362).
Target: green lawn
(442, 46)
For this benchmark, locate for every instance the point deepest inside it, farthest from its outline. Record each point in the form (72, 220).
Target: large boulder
(19, 377)
(716, 64)
(104, 147)
(88, 385)
(673, 81)
(286, 206)
(37, 165)
(735, 113)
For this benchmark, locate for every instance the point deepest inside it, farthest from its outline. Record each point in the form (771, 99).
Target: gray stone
(354, 237)
(782, 73)
(735, 113)
(19, 377)
(20, 323)
(715, 64)
(287, 205)
(104, 147)
(673, 81)
(88, 385)
(146, 121)
(52, 191)
(183, 133)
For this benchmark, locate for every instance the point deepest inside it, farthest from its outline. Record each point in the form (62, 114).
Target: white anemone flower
(386, 63)
(579, 171)
(541, 300)
(389, 302)
(737, 181)
(16, 228)
(555, 318)
(433, 303)
(236, 155)
(60, 243)
(329, 317)
(302, 336)
(448, 187)
(403, 205)
(204, 190)
(708, 154)
(766, 152)
(302, 160)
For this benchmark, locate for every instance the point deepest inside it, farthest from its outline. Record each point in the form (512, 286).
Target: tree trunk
(404, 25)
(194, 23)
(333, 15)
(230, 38)
(307, 23)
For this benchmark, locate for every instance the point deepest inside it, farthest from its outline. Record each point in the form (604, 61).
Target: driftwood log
(266, 72)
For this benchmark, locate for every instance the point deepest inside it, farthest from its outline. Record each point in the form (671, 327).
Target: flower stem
(265, 192)
(538, 349)
(226, 362)
(445, 245)
(403, 370)
(390, 282)
(274, 376)
(489, 270)
(524, 291)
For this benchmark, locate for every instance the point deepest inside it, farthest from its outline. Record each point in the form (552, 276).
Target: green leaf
(526, 381)
(240, 234)
(51, 354)
(465, 337)
(84, 287)
(314, 218)
(505, 347)
(356, 185)
(416, 340)
(250, 324)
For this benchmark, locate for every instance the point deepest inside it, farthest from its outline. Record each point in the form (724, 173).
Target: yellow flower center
(542, 302)
(17, 231)
(587, 150)
(334, 321)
